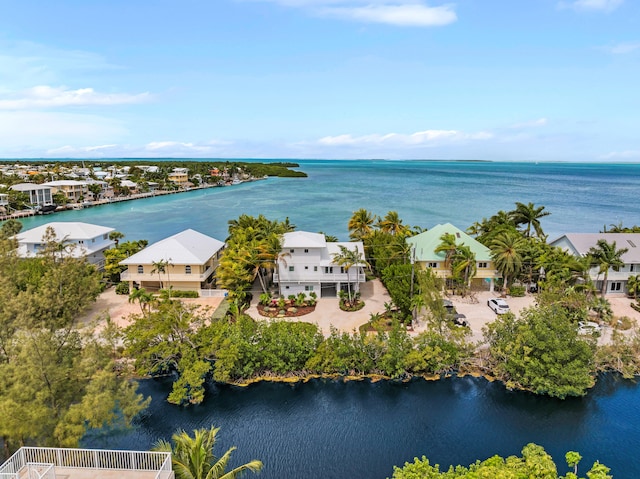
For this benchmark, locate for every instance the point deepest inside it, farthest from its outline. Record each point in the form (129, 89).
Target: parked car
(460, 320)
(588, 327)
(498, 305)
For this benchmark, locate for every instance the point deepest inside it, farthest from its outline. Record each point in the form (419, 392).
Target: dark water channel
(329, 429)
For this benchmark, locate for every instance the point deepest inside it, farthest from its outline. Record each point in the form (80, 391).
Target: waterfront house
(79, 239)
(179, 176)
(579, 244)
(307, 263)
(75, 191)
(186, 261)
(423, 253)
(48, 462)
(39, 195)
(4, 203)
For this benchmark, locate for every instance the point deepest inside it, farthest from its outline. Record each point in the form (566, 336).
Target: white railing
(40, 471)
(86, 459)
(321, 277)
(213, 293)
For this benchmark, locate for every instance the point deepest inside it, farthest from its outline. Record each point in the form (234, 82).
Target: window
(315, 268)
(483, 265)
(631, 267)
(432, 265)
(306, 267)
(292, 251)
(286, 287)
(291, 268)
(328, 269)
(105, 236)
(616, 286)
(342, 270)
(93, 240)
(187, 269)
(306, 250)
(308, 288)
(140, 269)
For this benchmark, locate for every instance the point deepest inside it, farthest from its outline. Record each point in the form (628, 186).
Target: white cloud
(622, 155)
(407, 14)
(72, 150)
(424, 138)
(184, 147)
(592, 5)
(623, 48)
(415, 13)
(49, 97)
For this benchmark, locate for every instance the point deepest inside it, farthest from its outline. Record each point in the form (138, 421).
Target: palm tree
(530, 216)
(360, 224)
(447, 246)
(116, 236)
(506, 252)
(606, 256)
(144, 299)
(193, 457)
(633, 286)
(348, 258)
(392, 224)
(161, 267)
(464, 264)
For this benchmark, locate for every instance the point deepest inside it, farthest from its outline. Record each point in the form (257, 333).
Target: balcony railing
(40, 461)
(306, 276)
(133, 275)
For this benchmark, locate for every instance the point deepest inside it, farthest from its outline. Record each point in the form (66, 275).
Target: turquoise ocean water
(580, 197)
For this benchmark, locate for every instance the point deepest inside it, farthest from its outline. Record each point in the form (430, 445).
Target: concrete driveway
(328, 312)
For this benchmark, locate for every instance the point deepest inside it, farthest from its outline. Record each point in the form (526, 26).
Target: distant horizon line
(200, 159)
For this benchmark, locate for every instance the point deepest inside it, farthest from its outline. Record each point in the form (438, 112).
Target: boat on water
(46, 209)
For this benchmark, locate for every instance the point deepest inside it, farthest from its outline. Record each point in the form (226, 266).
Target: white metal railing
(213, 293)
(322, 277)
(87, 459)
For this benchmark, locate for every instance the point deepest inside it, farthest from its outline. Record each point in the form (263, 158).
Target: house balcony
(128, 275)
(46, 462)
(318, 277)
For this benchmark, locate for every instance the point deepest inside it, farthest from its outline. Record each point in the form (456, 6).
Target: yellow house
(423, 252)
(179, 176)
(185, 261)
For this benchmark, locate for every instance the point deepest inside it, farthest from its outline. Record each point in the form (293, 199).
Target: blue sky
(528, 80)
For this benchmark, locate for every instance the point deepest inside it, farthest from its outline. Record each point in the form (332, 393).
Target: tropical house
(39, 195)
(75, 191)
(78, 239)
(579, 244)
(308, 264)
(426, 254)
(185, 261)
(4, 201)
(179, 176)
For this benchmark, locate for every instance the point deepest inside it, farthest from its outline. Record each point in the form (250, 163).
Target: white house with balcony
(78, 239)
(579, 244)
(307, 264)
(39, 195)
(185, 261)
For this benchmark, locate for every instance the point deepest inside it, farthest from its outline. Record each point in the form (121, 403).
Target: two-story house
(423, 253)
(186, 261)
(74, 190)
(307, 263)
(179, 176)
(579, 244)
(78, 239)
(39, 195)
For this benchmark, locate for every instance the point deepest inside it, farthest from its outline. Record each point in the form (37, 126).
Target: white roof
(582, 242)
(64, 231)
(303, 239)
(186, 247)
(65, 183)
(29, 187)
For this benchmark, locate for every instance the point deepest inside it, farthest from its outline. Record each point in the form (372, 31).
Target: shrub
(313, 298)
(265, 299)
(517, 291)
(176, 293)
(122, 288)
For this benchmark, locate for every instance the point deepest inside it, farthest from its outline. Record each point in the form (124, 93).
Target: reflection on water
(330, 429)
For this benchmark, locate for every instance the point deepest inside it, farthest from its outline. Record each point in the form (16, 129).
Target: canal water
(332, 429)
